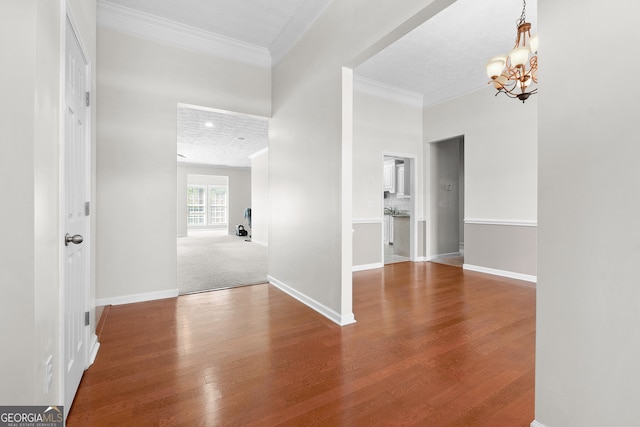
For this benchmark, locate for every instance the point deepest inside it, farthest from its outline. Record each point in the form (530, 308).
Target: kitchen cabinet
(403, 180)
(389, 176)
(401, 225)
(388, 230)
(400, 181)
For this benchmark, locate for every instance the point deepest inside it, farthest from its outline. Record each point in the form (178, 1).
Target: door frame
(91, 346)
(432, 201)
(413, 218)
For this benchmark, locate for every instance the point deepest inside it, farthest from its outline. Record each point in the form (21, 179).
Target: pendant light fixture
(513, 74)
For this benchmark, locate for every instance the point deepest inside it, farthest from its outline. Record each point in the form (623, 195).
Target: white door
(76, 219)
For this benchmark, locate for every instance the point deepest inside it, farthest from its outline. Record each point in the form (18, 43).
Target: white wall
(500, 136)
(500, 181)
(588, 294)
(260, 197)
(141, 82)
(381, 125)
(30, 259)
(310, 229)
(239, 195)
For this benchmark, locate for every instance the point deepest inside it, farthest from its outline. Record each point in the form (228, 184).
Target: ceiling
(211, 137)
(445, 57)
(442, 59)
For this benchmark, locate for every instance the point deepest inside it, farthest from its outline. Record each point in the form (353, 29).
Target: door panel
(75, 194)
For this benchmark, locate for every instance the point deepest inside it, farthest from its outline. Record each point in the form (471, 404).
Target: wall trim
(311, 303)
(513, 222)
(503, 273)
(363, 267)
(259, 153)
(367, 220)
(128, 299)
(437, 256)
(535, 423)
(293, 31)
(93, 351)
(175, 34)
(382, 90)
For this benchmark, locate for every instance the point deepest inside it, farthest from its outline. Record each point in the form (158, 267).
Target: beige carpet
(209, 260)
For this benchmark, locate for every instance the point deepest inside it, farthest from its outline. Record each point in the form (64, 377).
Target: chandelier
(513, 74)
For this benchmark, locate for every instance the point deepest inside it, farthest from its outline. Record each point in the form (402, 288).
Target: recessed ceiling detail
(229, 141)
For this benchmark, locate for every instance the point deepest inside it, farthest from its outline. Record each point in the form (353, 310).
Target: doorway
(447, 201)
(215, 218)
(398, 209)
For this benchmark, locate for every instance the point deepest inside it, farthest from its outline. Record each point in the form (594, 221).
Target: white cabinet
(400, 181)
(389, 176)
(403, 180)
(388, 230)
(387, 219)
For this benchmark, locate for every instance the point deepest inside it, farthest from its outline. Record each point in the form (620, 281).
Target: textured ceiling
(217, 138)
(258, 22)
(445, 57)
(442, 59)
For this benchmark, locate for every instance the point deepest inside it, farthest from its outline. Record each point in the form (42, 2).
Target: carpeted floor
(210, 260)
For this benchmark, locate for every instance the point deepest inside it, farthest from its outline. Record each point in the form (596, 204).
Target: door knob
(76, 239)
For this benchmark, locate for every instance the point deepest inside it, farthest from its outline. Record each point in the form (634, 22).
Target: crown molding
(172, 33)
(382, 90)
(308, 13)
(258, 153)
(444, 94)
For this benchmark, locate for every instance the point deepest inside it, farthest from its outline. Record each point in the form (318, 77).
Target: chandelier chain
(522, 19)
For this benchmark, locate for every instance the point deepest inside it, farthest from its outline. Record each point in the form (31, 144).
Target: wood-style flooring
(433, 345)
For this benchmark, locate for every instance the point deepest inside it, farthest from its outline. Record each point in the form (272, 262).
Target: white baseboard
(257, 242)
(503, 273)
(337, 318)
(363, 267)
(534, 423)
(95, 345)
(445, 255)
(128, 299)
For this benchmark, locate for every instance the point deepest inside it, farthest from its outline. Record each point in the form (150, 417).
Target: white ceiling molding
(382, 90)
(172, 33)
(444, 94)
(308, 13)
(259, 153)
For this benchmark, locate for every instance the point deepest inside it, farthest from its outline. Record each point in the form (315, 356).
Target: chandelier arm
(516, 79)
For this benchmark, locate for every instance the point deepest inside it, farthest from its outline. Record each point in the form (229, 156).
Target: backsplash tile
(400, 204)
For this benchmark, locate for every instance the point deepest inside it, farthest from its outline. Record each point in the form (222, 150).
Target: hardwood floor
(433, 345)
